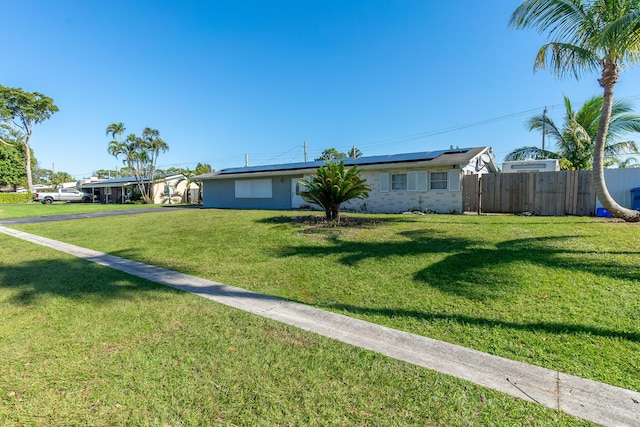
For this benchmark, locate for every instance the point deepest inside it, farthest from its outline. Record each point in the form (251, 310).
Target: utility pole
(544, 127)
(305, 151)
(246, 160)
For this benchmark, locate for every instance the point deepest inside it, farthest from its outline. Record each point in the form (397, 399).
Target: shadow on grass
(544, 327)
(74, 279)
(469, 269)
(83, 278)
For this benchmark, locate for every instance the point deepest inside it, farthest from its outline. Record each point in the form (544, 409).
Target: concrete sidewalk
(590, 400)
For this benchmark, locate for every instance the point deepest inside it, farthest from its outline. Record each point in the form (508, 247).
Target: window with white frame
(438, 180)
(398, 182)
(253, 189)
(169, 189)
(411, 181)
(417, 181)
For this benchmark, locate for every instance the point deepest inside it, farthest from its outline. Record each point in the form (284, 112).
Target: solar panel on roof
(370, 160)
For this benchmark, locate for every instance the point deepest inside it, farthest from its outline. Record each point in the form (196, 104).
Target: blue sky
(221, 79)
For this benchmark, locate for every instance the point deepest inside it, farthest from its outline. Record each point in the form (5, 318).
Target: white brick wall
(441, 201)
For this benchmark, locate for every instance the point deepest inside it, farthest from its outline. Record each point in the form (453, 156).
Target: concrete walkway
(590, 400)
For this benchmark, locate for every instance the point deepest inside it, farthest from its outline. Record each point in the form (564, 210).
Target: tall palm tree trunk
(27, 156)
(608, 80)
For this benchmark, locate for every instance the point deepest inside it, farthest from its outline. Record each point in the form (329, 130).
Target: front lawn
(82, 344)
(563, 293)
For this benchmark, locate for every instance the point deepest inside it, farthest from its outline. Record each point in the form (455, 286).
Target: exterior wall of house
(221, 193)
(398, 201)
(170, 192)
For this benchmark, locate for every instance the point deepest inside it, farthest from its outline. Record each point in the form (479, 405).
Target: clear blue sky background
(221, 79)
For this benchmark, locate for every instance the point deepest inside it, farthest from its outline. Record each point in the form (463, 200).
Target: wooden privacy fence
(540, 193)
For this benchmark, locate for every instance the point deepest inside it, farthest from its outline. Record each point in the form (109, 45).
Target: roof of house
(458, 156)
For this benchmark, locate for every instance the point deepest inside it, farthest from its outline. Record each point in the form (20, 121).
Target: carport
(109, 190)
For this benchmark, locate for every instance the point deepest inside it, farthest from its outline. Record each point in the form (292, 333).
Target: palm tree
(116, 130)
(587, 36)
(575, 138)
(333, 185)
(139, 154)
(152, 144)
(129, 149)
(355, 153)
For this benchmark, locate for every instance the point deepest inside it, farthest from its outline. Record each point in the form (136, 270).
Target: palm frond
(630, 162)
(546, 124)
(622, 124)
(560, 18)
(526, 153)
(621, 148)
(566, 59)
(620, 31)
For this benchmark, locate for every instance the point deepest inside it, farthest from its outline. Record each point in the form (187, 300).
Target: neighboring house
(430, 180)
(167, 190)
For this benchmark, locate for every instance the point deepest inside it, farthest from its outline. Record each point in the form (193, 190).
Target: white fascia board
(292, 173)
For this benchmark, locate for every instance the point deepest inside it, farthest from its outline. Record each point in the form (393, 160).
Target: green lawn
(563, 293)
(24, 210)
(85, 345)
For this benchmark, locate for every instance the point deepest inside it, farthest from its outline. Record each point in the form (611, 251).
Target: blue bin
(603, 213)
(635, 198)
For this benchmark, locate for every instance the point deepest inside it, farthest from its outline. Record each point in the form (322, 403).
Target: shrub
(15, 198)
(333, 185)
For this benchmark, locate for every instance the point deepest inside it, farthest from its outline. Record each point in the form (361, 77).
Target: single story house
(430, 180)
(168, 190)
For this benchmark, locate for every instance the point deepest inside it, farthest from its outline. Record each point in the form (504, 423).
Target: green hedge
(14, 198)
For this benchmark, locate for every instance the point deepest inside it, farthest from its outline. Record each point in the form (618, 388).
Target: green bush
(15, 198)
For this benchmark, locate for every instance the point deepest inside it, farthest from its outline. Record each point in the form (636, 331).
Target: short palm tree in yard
(586, 36)
(575, 138)
(333, 185)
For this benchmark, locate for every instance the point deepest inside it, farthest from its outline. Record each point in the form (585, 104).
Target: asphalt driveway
(66, 217)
